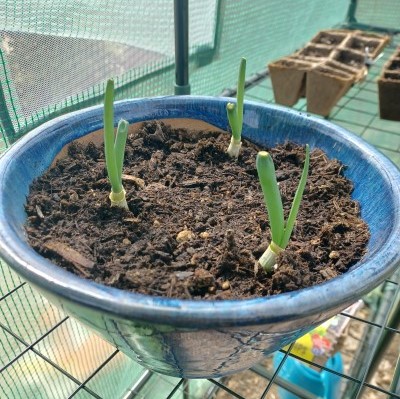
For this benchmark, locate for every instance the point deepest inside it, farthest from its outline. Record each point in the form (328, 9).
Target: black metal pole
(181, 15)
(351, 12)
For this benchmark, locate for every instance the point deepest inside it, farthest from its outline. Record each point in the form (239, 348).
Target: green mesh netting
(56, 54)
(378, 13)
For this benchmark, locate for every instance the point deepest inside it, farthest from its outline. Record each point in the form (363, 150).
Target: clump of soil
(196, 223)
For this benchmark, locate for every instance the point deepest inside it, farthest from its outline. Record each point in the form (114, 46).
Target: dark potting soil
(392, 76)
(330, 39)
(394, 65)
(196, 223)
(361, 44)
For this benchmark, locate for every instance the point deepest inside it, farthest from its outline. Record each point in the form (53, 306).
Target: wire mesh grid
(377, 13)
(46, 354)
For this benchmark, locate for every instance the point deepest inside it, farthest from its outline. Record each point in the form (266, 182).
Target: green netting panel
(378, 13)
(56, 54)
(261, 31)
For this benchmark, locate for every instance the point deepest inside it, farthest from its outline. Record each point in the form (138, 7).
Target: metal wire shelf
(45, 354)
(175, 388)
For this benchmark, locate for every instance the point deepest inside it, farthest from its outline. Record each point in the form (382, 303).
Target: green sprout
(235, 113)
(280, 231)
(114, 148)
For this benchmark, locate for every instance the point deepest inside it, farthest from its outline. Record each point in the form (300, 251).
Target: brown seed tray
(351, 58)
(389, 88)
(288, 77)
(315, 51)
(356, 72)
(391, 75)
(339, 58)
(383, 39)
(365, 43)
(325, 87)
(394, 65)
(331, 38)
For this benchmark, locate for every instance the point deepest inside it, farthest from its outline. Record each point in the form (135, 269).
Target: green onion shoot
(280, 230)
(235, 113)
(114, 148)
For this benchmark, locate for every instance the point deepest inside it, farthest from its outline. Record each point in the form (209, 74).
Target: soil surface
(196, 223)
(392, 76)
(360, 44)
(394, 65)
(351, 59)
(315, 52)
(330, 39)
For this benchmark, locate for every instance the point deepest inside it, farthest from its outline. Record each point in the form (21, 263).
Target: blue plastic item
(323, 384)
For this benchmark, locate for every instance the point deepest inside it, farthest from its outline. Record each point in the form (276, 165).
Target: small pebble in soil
(74, 196)
(132, 220)
(184, 235)
(183, 275)
(334, 255)
(39, 212)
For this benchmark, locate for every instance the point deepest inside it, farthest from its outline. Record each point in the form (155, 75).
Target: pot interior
(97, 137)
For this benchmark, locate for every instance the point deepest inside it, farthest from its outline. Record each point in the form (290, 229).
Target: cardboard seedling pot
(393, 65)
(325, 86)
(288, 76)
(351, 58)
(358, 73)
(331, 38)
(375, 43)
(315, 52)
(334, 60)
(389, 90)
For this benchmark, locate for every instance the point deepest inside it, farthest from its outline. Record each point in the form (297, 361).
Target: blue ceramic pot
(197, 339)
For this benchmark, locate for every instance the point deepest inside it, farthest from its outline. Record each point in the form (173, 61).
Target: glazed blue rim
(308, 302)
